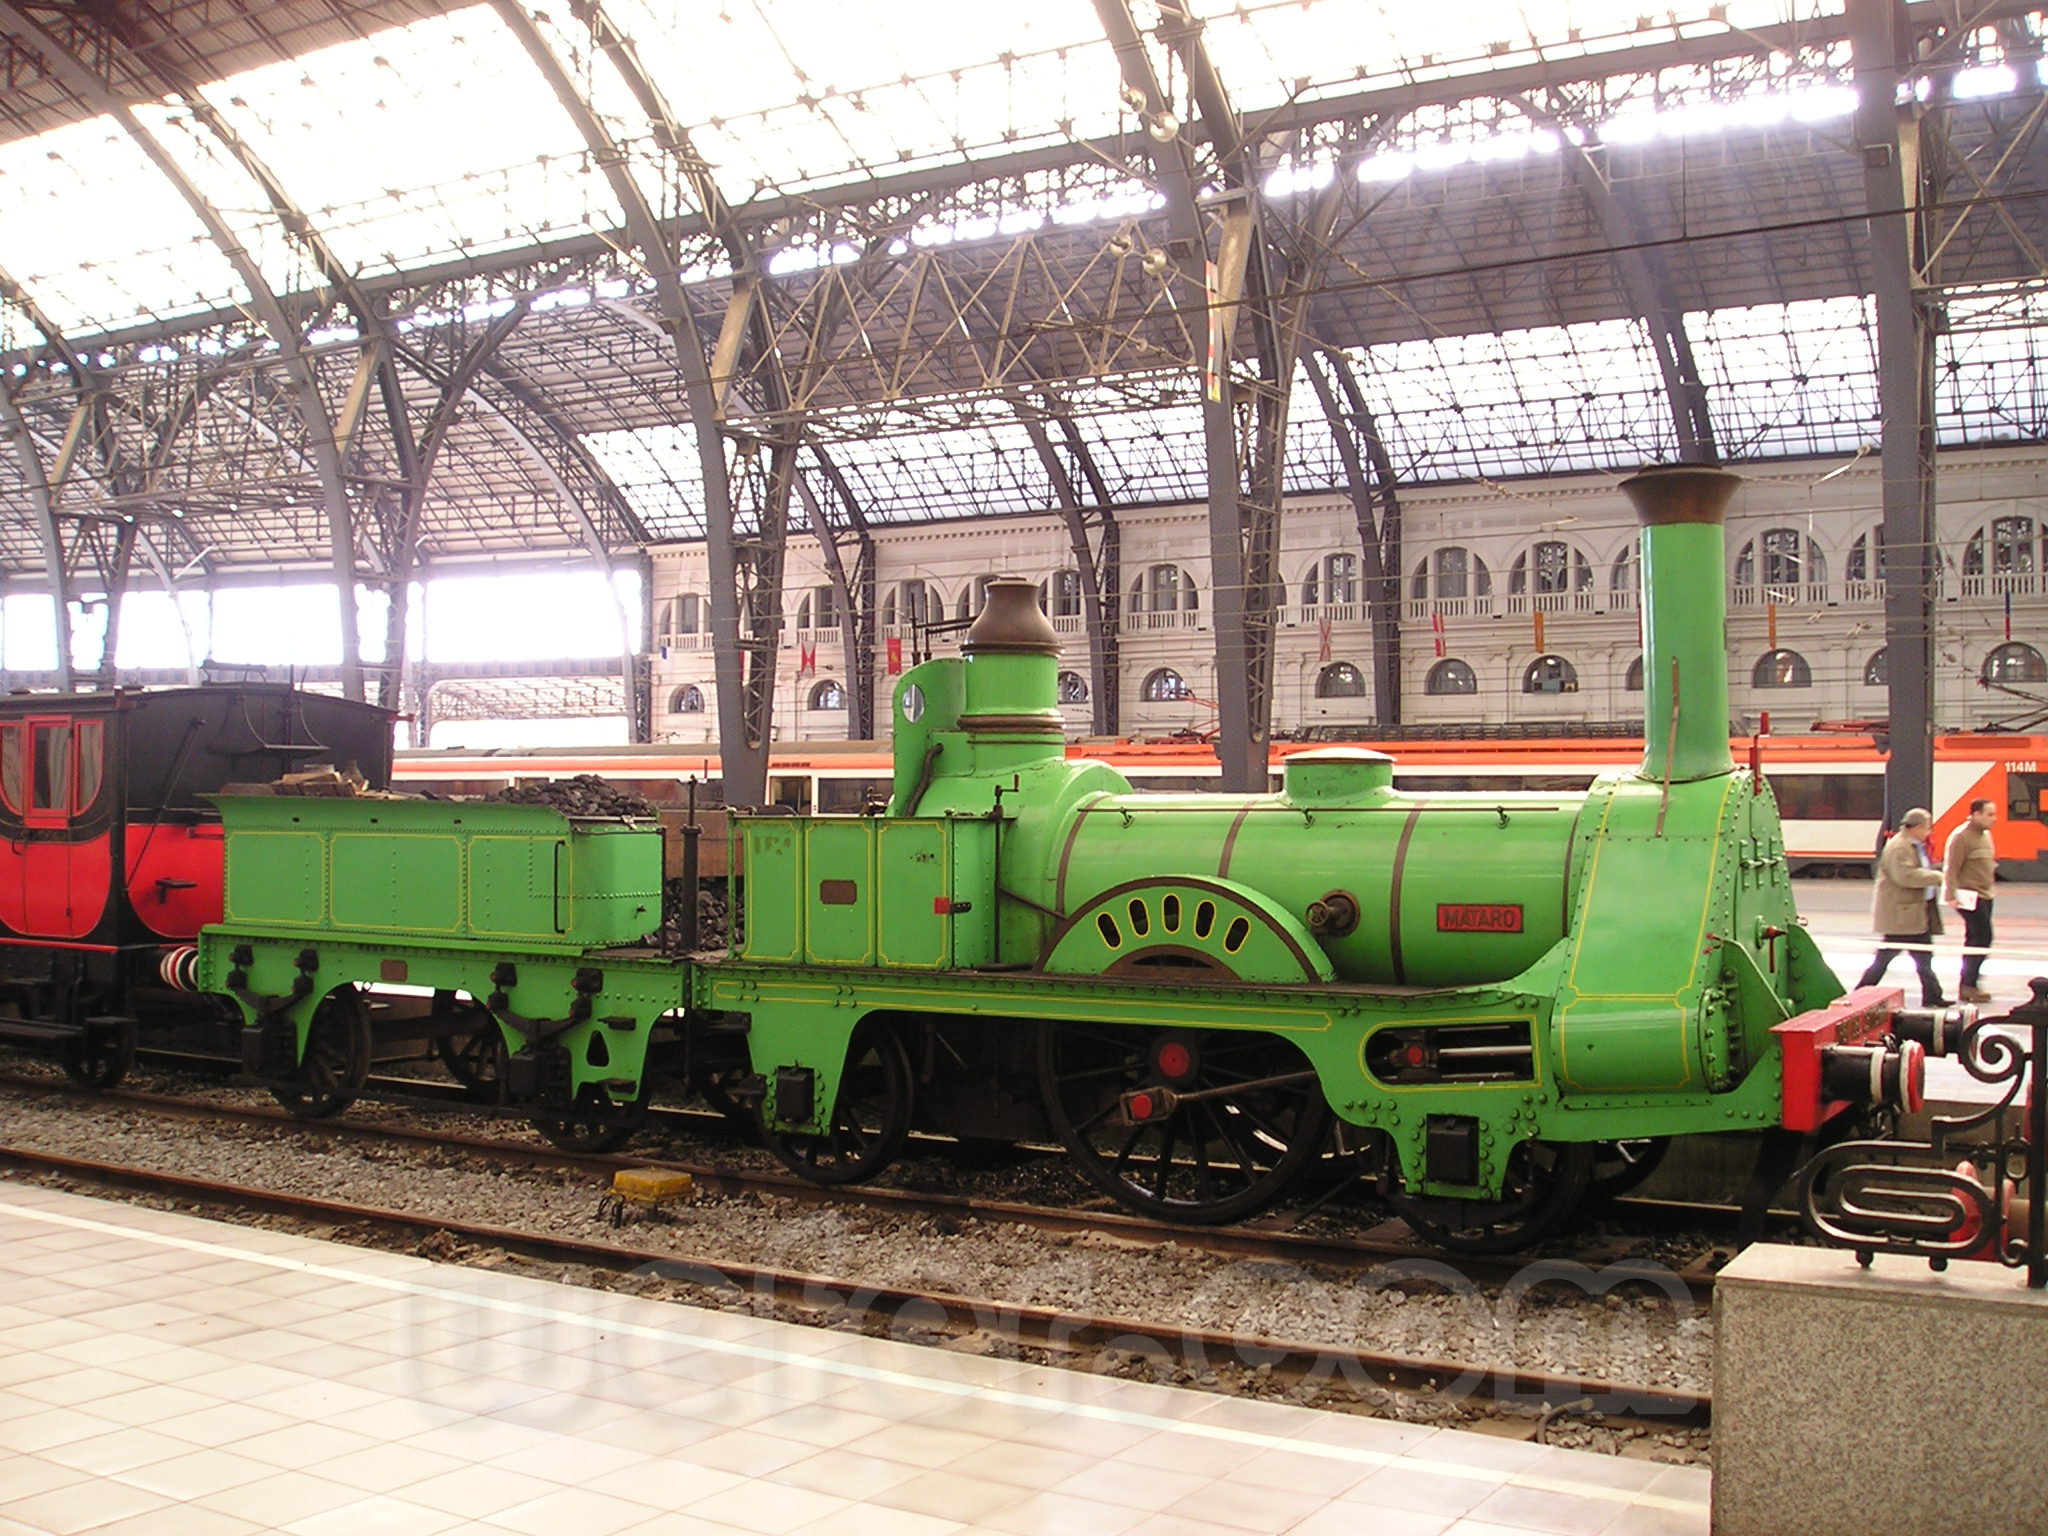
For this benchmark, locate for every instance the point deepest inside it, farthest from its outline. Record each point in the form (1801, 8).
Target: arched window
(1632, 680)
(1073, 688)
(1550, 566)
(1780, 557)
(1451, 572)
(1332, 579)
(827, 694)
(1781, 669)
(973, 598)
(1060, 595)
(818, 610)
(2005, 548)
(1163, 589)
(1164, 686)
(686, 700)
(1876, 673)
(1550, 674)
(1866, 556)
(2015, 662)
(910, 603)
(1622, 576)
(1448, 677)
(1340, 680)
(683, 615)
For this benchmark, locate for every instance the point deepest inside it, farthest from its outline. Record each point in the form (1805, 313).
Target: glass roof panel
(426, 141)
(98, 236)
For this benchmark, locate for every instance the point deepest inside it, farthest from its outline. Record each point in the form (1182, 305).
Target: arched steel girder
(743, 737)
(854, 589)
(16, 430)
(1097, 543)
(1370, 478)
(1645, 277)
(86, 84)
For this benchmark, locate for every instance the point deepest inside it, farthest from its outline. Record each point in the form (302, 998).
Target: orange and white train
(1830, 788)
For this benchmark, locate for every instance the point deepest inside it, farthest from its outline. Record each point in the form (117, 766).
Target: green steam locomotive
(1491, 1002)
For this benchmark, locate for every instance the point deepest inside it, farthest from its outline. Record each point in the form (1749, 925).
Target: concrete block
(1890, 1401)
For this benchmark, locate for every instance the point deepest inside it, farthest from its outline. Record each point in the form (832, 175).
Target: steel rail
(925, 1312)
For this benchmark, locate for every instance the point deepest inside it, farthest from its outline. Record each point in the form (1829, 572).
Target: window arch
(1623, 575)
(1164, 686)
(1780, 557)
(1877, 672)
(1866, 556)
(2007, 551)
(1781, 669)
(2015, 662)
(1332, 579)
(1073, 688)
(686, 700)
(683, 615)
(827, 693)
(1452, 572)
(1340, 680)
(1164, 588)
(1550, 674)
(819, 609)
(1060, 595)
(911, 603)
(1450, 676)
(1547, 567)
(1632, 680)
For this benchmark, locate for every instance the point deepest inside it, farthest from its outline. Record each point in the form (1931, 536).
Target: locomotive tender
(1493, 1000)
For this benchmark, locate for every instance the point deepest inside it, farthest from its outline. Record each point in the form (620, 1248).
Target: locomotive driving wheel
(1185, 1124)
(1545, 1182)
(869, 1119)
(1620, 1166)
(476, 1060)
(101, 1056)
(336, 1063)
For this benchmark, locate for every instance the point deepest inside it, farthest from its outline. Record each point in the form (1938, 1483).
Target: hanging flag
(1323, 628)
(1539, 630)
(807, 660)
(2008, 617)
(895, 654)
(1436, 628)
(1771, 623)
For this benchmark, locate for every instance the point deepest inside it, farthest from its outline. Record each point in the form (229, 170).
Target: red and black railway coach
(111, 856)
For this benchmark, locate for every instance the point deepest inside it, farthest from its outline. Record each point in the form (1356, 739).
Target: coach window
(1073, 688)
(828, 695)
(1781, 669)
(1165, 686)
(51, 791)
(12, 757)
(91, 756)
(1340, 680)
(1450, 677)
(1876, 673)
(1632, 681)
(1550, 674)
(2015, 662)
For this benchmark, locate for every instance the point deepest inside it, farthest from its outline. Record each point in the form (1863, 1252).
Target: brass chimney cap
(1681, 493)
(1011, 621)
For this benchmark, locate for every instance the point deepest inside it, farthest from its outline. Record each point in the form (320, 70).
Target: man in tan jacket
(1967, 876)
(1902, 906)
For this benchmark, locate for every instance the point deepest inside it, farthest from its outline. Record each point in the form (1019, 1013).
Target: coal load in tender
(584, 795)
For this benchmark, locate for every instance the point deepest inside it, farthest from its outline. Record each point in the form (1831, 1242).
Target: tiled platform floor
(162, 1375)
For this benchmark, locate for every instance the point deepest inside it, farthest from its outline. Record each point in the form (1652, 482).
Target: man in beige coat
(1902, 906)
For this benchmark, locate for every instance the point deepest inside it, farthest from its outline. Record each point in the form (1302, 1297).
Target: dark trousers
(1976, 935)
(1923, 962)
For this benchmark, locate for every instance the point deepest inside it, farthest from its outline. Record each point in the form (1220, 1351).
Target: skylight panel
(98, 236)
(422, 142)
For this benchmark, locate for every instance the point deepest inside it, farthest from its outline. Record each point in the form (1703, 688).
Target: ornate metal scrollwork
(1955, 1195)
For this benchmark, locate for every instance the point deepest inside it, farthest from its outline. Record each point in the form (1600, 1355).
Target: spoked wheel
(869, 1118)
(1236, 1116)
(1621, 1166)
(476, 1060)
(1546, 1180)
(337, 1059)
(594, 1123)
(101, 1057)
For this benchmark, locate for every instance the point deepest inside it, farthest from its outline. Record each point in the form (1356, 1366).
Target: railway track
(924, 1313)
(1262, 1240)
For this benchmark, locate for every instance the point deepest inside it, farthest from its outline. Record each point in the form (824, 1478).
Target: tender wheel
(100, 1057)
(1249, 1119)
(477, 1061)
(1621, 1166)
(869, 1120)
(1546, 1180)
(337, 1059)
(594, 1123)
